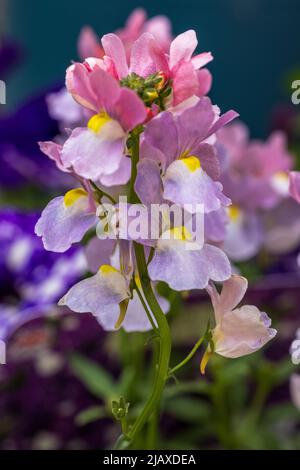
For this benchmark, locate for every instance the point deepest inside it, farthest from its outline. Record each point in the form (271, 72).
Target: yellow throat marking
(97, 121)
(180, 233)
(191, 162)
(234, 213)
(72, 196)
(107, 269)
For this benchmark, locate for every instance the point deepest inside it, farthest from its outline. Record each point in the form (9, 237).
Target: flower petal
(99, 252)
(202, 59)
(243, 331)
(114, 48)
(141, 60)
(192, 187)
(185, 82)
(94, 154)
(244, 237)
(129, 110)
(204, 81)
(233, 292)
(100, 295)
(61, 225)
(161, 134)
(53, 151)
(185, 269)
(183, 47)
(148, 184)
(88, 44)
(136, 318)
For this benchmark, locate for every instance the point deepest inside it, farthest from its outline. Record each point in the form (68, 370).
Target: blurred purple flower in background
(32, 280)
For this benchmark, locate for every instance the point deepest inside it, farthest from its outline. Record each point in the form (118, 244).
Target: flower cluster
(148, 131)
(255, 176)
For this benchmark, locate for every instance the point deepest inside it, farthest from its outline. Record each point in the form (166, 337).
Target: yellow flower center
(234, 213)
(191, 162)
(97, 121)
(107, 269)
(282, 176)
(71, 196)
(180, 233)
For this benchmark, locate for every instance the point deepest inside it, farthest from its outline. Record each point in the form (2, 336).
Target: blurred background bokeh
(62, 370)
(254, 42)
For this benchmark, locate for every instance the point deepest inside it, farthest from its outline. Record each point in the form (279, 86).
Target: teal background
(255, 44)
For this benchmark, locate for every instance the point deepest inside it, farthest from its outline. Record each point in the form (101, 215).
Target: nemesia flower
(238, 331)
(100, 294)
(147, 121)
(244, 235)
(88, 44)
(148, 59)
(107, 294)
(255, 176)
(184, 264)
(98, 151)
(255, 173)
(187, 162)
(65, 220)
(136, 25)
(281, 227)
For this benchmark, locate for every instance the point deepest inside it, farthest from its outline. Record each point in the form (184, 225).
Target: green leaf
(188, 409)
(94, 377)
(94, 413)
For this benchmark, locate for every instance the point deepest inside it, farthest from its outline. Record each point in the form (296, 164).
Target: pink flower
(186, 72)
(147, 58)
(97, 151)
(238, 331)
(88, 44)
(136, 24)
(255, 173)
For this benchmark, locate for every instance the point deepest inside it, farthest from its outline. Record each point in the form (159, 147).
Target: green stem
(165, 344)
(152, 430)
(102, 193)
(124, 426)
(135, 149)
(161, 371)
(145, 307)
(188, 357)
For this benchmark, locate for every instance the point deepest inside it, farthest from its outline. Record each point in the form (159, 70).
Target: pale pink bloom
(98, 151)
(255, 173)
(147, 57)
(89, 44)
(238, 331)
(136, 24)
(185, 70)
